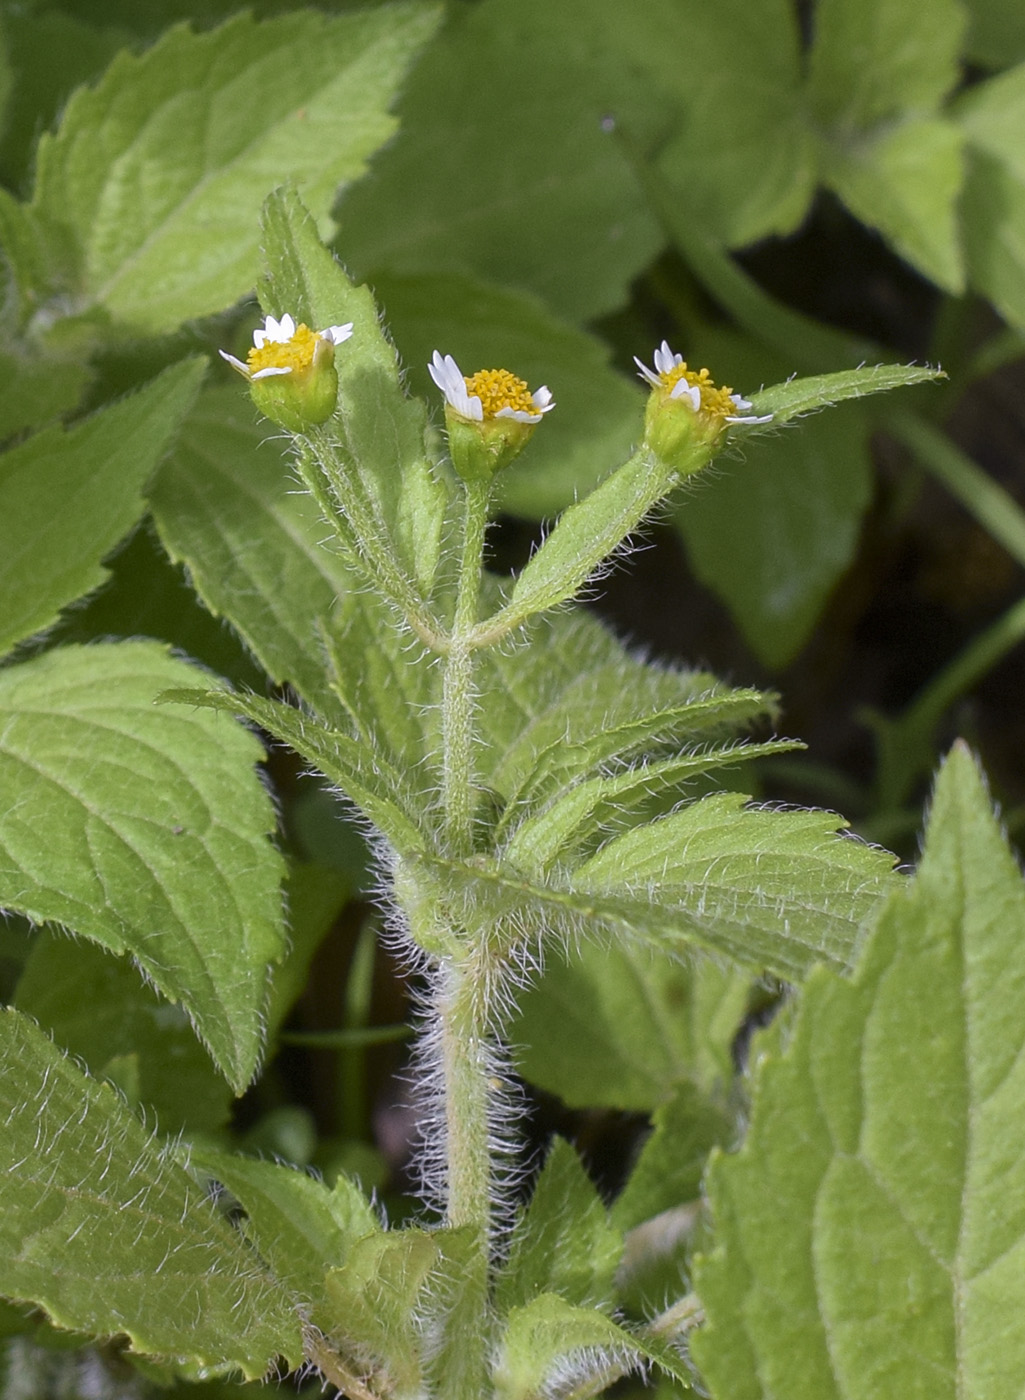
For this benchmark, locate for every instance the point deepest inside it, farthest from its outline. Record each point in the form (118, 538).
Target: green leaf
(770, 889)
(599, 411)
(570, 699)
(144, 829)
(594, 807)
(622, 1027)
(67, 498)
(871, 1232)
(905, 181)
(671, 1163)
(875, 60)
(544, 1338)
(383, 1296)
(93, 1205)
(993, 208)
(300, 1227)
(159, 171)
(996, 35)
(383, 430)
(563, 1242)
(99, 1009)
(798, 397)
(773, 534)
(583, 538)
(226, 505)
(37, 388)
(742, 158)
(363, 774)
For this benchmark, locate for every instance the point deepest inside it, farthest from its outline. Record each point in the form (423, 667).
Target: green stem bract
(459, 693)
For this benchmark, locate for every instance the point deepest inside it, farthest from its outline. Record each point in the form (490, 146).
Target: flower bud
(687, 413)
(291, 372)
(490, 416)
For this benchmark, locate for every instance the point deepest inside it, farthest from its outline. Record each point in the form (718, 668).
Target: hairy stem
(459, 695)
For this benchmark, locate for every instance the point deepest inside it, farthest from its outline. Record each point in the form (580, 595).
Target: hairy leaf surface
(871, 1232)
(144, 828)
(92, 1204)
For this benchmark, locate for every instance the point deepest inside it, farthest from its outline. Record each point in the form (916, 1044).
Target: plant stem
(458, 694)
(466, 1063)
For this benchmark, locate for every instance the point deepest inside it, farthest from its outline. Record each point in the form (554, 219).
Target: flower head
(291, 371)
(490, 415)
(687, 406)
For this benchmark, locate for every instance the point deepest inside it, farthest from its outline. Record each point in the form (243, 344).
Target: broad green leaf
(594, 807)
(382, 430)
(227, 506)
(599, 412)
(362, 774)
(159, 171)
(993, 208)
(518, 171)
(992, 114)
(905, 182)
(993, 214)
(563, 1242)
(798, 397)
(37, 389)
(145, 829)
(544, 1337)
(67, 498)
(872, 61)
(98, 1008)
(996, 33)
(770, 889)
(621, 1026)
(773, 533)
(871, 1232)
(34, 258)
(742, 157)
(299, 1227)
(93, 1206)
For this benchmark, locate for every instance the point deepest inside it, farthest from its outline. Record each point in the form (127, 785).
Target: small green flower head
(687, 412)
(291, 372)
(490, 416)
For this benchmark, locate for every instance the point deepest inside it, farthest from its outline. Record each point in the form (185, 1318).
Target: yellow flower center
(713, 399)
(496, 389)
(295, 354)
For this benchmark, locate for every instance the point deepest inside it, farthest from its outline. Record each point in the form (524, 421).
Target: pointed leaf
(871, 1232)
(67, 498)
(159, 171)
(300, 1227)
(544, 1337)
(798, 397)
(145, 829)
(93, 1205)
(563, 1242)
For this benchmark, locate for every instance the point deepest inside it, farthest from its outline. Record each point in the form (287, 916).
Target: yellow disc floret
(498, 389)
(295, 354)
(714, 400)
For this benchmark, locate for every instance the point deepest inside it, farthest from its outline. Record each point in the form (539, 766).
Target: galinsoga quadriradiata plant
(532, 787)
